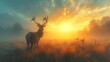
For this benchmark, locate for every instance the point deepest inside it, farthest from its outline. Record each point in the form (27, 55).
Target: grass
(79, 51)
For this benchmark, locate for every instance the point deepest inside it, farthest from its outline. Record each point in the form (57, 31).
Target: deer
(33, 38)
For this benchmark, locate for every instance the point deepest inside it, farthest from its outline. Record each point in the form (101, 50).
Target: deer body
(33, 38)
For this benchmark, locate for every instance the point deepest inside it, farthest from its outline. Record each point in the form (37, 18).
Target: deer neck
(40, 31)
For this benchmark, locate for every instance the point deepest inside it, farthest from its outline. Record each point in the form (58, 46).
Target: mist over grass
(76, 51)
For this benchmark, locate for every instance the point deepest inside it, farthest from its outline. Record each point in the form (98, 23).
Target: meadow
(76, 51)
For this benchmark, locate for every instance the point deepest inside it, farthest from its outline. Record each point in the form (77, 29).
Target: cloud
(17, 28)
(32, 7)
(97, 3)
(98, 28)
(101, 27)
(16, 11)
(19, 11)
(22, 6)
(12, 32)
(8, 19)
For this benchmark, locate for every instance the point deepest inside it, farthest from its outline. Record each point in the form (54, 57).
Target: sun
(62, 30)
(65, 27)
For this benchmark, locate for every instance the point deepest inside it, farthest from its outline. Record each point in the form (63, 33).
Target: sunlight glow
(65, 27)
(65, 24)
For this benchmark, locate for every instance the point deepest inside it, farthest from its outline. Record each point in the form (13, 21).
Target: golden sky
(67, 18)
(73, 17)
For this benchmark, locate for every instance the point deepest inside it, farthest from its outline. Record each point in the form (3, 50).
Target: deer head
(38, 24)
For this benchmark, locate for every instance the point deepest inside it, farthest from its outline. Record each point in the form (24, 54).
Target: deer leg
(28, 45)
(31, 46)
(37, 41)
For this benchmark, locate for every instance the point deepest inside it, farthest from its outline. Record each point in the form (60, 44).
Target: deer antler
(45, 19)
(33, 19)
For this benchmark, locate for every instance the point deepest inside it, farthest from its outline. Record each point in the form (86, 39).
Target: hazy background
(15, 16)
(70, 24)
